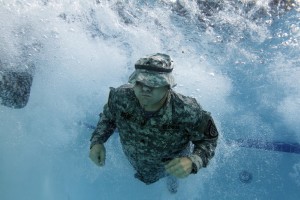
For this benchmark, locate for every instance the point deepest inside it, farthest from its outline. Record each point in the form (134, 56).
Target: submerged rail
(267, 145)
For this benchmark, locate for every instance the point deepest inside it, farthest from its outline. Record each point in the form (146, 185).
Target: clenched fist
(97, 154)
(179, 167)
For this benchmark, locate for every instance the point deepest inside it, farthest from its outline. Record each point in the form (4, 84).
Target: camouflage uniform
(150, 141)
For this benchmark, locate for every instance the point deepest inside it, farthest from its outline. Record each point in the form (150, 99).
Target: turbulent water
(239, 59)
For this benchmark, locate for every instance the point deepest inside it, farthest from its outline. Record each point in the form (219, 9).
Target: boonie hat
(154, 71)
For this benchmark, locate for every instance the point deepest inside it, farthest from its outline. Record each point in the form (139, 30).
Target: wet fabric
(154, 71)
(149, 143)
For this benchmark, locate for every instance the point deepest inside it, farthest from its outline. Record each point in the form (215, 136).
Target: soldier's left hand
(179, 167)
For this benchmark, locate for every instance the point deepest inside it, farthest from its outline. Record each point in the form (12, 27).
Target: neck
(156, 106)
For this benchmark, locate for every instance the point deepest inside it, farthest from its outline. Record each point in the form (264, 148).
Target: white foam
(295, 174)
(85, 48)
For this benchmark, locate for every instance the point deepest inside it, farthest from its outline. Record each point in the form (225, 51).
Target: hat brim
(152, 79)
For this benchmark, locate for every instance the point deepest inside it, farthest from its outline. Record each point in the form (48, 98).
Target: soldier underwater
(163, 133)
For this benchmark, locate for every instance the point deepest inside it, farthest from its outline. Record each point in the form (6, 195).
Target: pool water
(238, 59)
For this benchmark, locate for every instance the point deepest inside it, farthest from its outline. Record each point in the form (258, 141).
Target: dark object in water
(268, 145)
(245, 176)
(15, 88)
(172, 184)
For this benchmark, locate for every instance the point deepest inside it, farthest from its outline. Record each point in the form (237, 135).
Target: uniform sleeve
(205, 142)
(107, 123)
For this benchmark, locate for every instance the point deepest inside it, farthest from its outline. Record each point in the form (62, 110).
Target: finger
(95, 158)
(101, 158)
(182, 175)
(174, 168)
(178, 170)
(172, 163)
(179, 173)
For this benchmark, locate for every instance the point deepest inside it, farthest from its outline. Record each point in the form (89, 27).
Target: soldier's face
(149, 96)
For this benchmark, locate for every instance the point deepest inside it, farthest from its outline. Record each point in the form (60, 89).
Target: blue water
(241, 63)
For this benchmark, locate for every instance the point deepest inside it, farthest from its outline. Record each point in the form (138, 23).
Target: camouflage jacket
(149, 142)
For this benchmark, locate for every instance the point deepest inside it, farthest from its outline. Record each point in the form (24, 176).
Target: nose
(146, 88)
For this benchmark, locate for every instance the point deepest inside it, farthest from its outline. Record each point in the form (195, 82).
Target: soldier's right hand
(97, 154)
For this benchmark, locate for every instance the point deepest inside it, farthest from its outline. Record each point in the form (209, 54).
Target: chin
(145, 103)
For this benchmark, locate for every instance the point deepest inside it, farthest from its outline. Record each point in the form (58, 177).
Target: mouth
(146, 95)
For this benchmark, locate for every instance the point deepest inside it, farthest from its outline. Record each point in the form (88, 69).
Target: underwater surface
(239, 59)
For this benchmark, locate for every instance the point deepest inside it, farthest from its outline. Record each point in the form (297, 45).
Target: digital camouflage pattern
(158, 60)
(150, 141)
(152, 79)
(154, 71)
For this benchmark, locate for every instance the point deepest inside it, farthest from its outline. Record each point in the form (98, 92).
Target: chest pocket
(126, 118)
(128, 125)
(172, 136)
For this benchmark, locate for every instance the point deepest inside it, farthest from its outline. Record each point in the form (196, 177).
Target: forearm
(102, 132)
(203, 152)
(204, 148)
(105, 127)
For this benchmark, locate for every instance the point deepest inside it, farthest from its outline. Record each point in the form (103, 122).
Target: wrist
(93, 143)
(196, 163)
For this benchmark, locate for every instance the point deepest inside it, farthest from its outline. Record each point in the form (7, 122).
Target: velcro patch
(212, 129)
